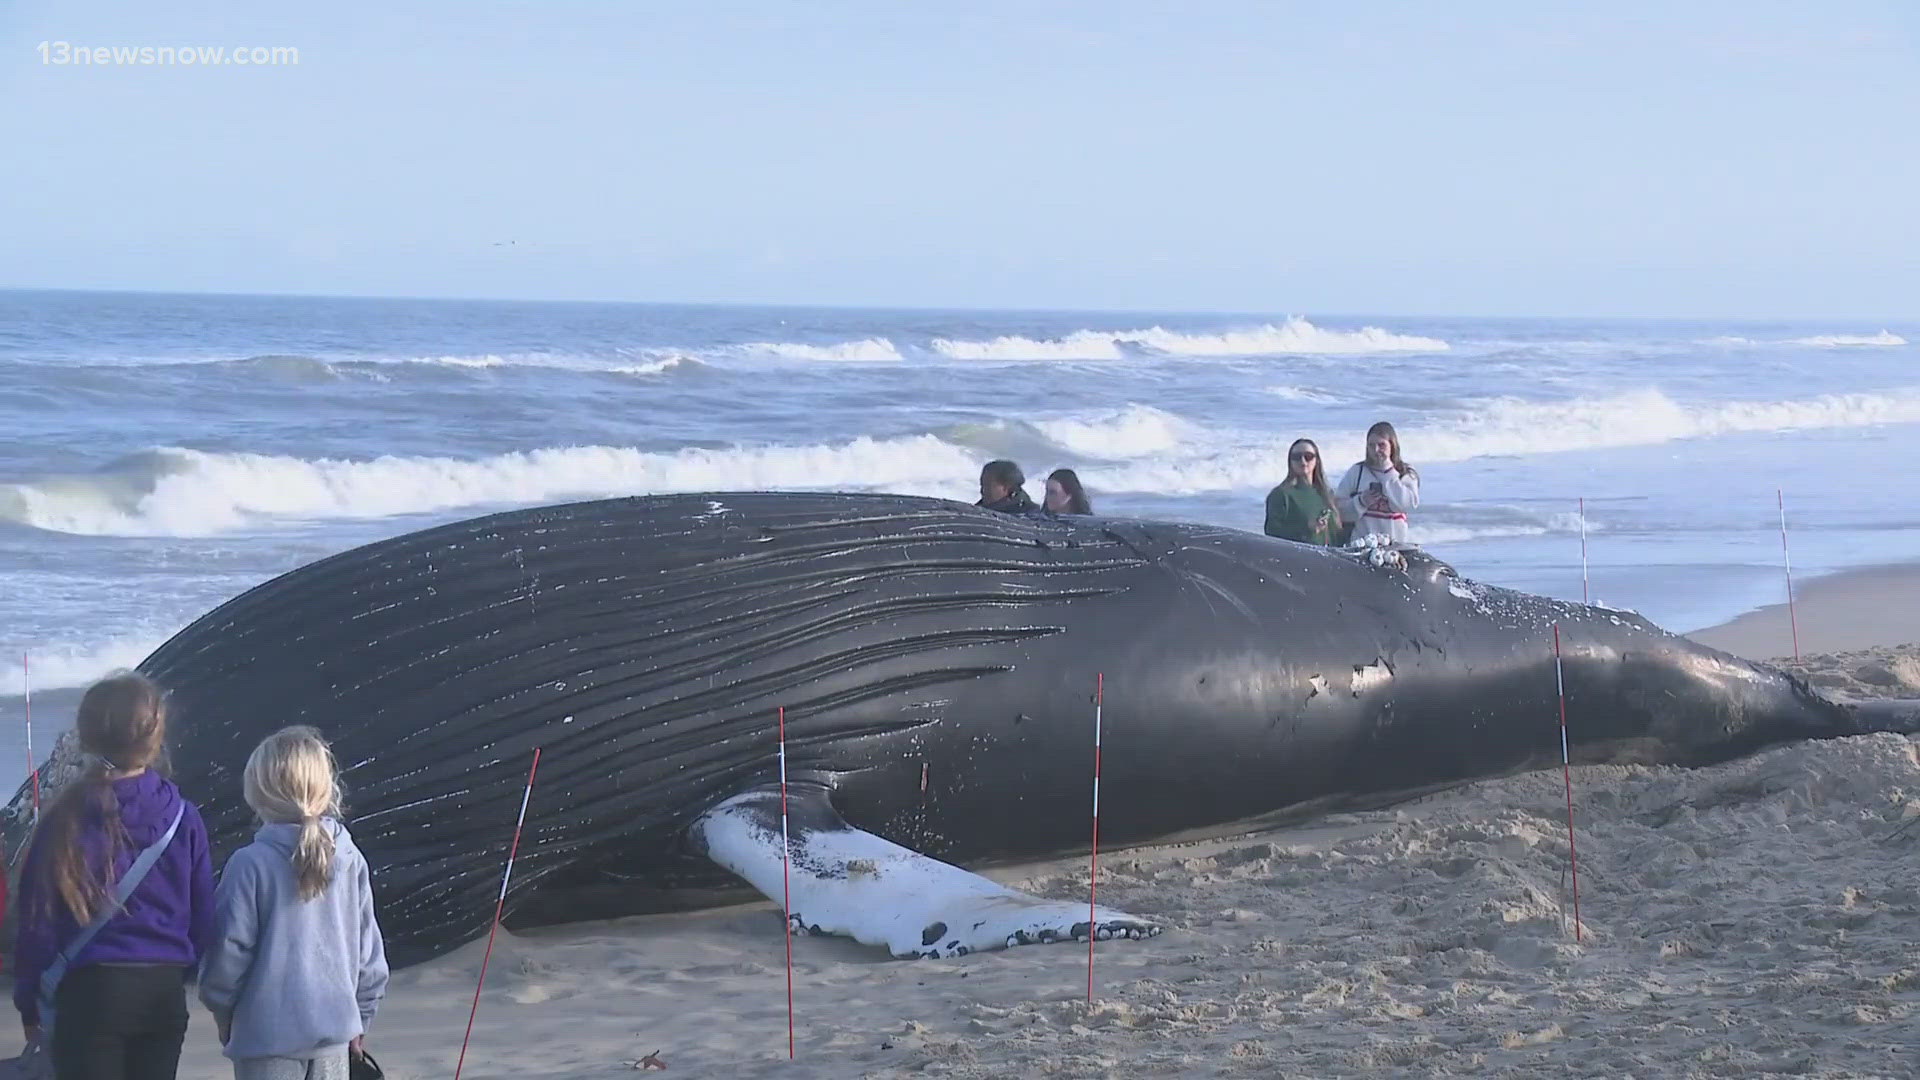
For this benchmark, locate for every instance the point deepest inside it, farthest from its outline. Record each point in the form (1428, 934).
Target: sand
(1751, 919)
(1846, 612)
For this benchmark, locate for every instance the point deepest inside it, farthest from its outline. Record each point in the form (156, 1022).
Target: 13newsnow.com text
(68, 54)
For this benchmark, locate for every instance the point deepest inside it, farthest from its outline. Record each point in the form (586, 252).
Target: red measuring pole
(33, 765)
(786, 894)
(1584, 596)
(1093, 864)
(498, 906)
(1787, 560)
(1566, 770)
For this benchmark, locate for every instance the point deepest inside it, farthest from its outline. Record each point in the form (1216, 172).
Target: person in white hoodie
(1376, 493)
(298, 966)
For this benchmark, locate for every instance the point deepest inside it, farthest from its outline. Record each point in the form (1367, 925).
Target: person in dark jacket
(121, 1008)
(1001, 488)
(1302, 507)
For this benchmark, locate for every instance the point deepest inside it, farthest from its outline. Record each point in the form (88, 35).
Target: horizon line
(1070, 309)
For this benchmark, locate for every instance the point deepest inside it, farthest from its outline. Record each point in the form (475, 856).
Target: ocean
(162, 453)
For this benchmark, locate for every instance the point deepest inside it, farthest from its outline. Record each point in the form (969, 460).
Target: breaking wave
(1137, 448)
(1135, 431)
(643, 362)
(1301, 393)
(1639, 418)
(1818, 341)
(180, 492)
(1831, 341)
(865, 351)
(296, 366)
(1295, 336)
(58, 667)
(1517, 428)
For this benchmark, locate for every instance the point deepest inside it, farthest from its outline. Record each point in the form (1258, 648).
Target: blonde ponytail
(291, 779)
(313, 859)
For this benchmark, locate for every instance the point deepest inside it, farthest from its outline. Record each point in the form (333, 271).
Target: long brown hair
(122, 725)
(1069, 481)
(1393, 444)
(1318, 476)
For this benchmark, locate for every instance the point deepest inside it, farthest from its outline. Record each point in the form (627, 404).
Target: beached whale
(937, 665)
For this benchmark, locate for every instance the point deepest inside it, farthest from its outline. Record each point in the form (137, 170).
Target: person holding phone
(1302, 508)
(1377, 492)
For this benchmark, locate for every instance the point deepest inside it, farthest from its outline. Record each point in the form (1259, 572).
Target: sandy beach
(1857, 610)
(1750, 919)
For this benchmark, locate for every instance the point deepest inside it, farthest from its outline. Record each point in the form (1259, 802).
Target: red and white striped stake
(786, 894)
(1793, 620)
(1093, 863)
(498, 906)
(1566, 771)
(1583, 551)
(33, 765)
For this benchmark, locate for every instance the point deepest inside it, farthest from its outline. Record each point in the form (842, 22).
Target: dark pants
(119, 1022)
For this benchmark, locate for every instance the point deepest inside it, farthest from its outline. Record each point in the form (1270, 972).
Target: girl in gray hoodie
(298, 966)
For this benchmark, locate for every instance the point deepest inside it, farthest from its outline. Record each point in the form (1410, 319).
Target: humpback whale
(936, 663)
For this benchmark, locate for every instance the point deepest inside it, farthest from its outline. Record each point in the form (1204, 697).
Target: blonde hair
(291, 779)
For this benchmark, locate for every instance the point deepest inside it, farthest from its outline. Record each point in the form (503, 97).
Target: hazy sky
(1714, 158)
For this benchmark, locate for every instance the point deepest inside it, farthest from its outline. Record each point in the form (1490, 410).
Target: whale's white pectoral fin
(845, 881)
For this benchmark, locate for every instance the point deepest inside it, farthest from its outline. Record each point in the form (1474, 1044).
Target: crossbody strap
(50, 979)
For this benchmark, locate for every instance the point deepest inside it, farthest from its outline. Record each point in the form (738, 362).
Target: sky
(1741, 158)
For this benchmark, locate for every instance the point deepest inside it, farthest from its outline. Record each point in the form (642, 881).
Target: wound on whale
(937, 665)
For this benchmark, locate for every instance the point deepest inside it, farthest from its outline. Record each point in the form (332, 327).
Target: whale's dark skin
(937, 664)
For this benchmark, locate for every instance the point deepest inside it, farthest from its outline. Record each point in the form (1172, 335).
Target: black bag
(361, 1066)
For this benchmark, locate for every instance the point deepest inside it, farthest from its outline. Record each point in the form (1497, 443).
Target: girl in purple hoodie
(120, 1010)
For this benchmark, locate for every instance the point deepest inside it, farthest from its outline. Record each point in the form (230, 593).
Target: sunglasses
(1301, 455)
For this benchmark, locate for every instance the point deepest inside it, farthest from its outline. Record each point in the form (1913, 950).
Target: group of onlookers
(1372, 498)
(117, 908)
(1002, 488)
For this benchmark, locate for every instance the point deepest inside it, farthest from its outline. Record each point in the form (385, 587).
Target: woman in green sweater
(1302, 508)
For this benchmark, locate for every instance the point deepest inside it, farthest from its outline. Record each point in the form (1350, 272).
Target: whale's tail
(1901, 715)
